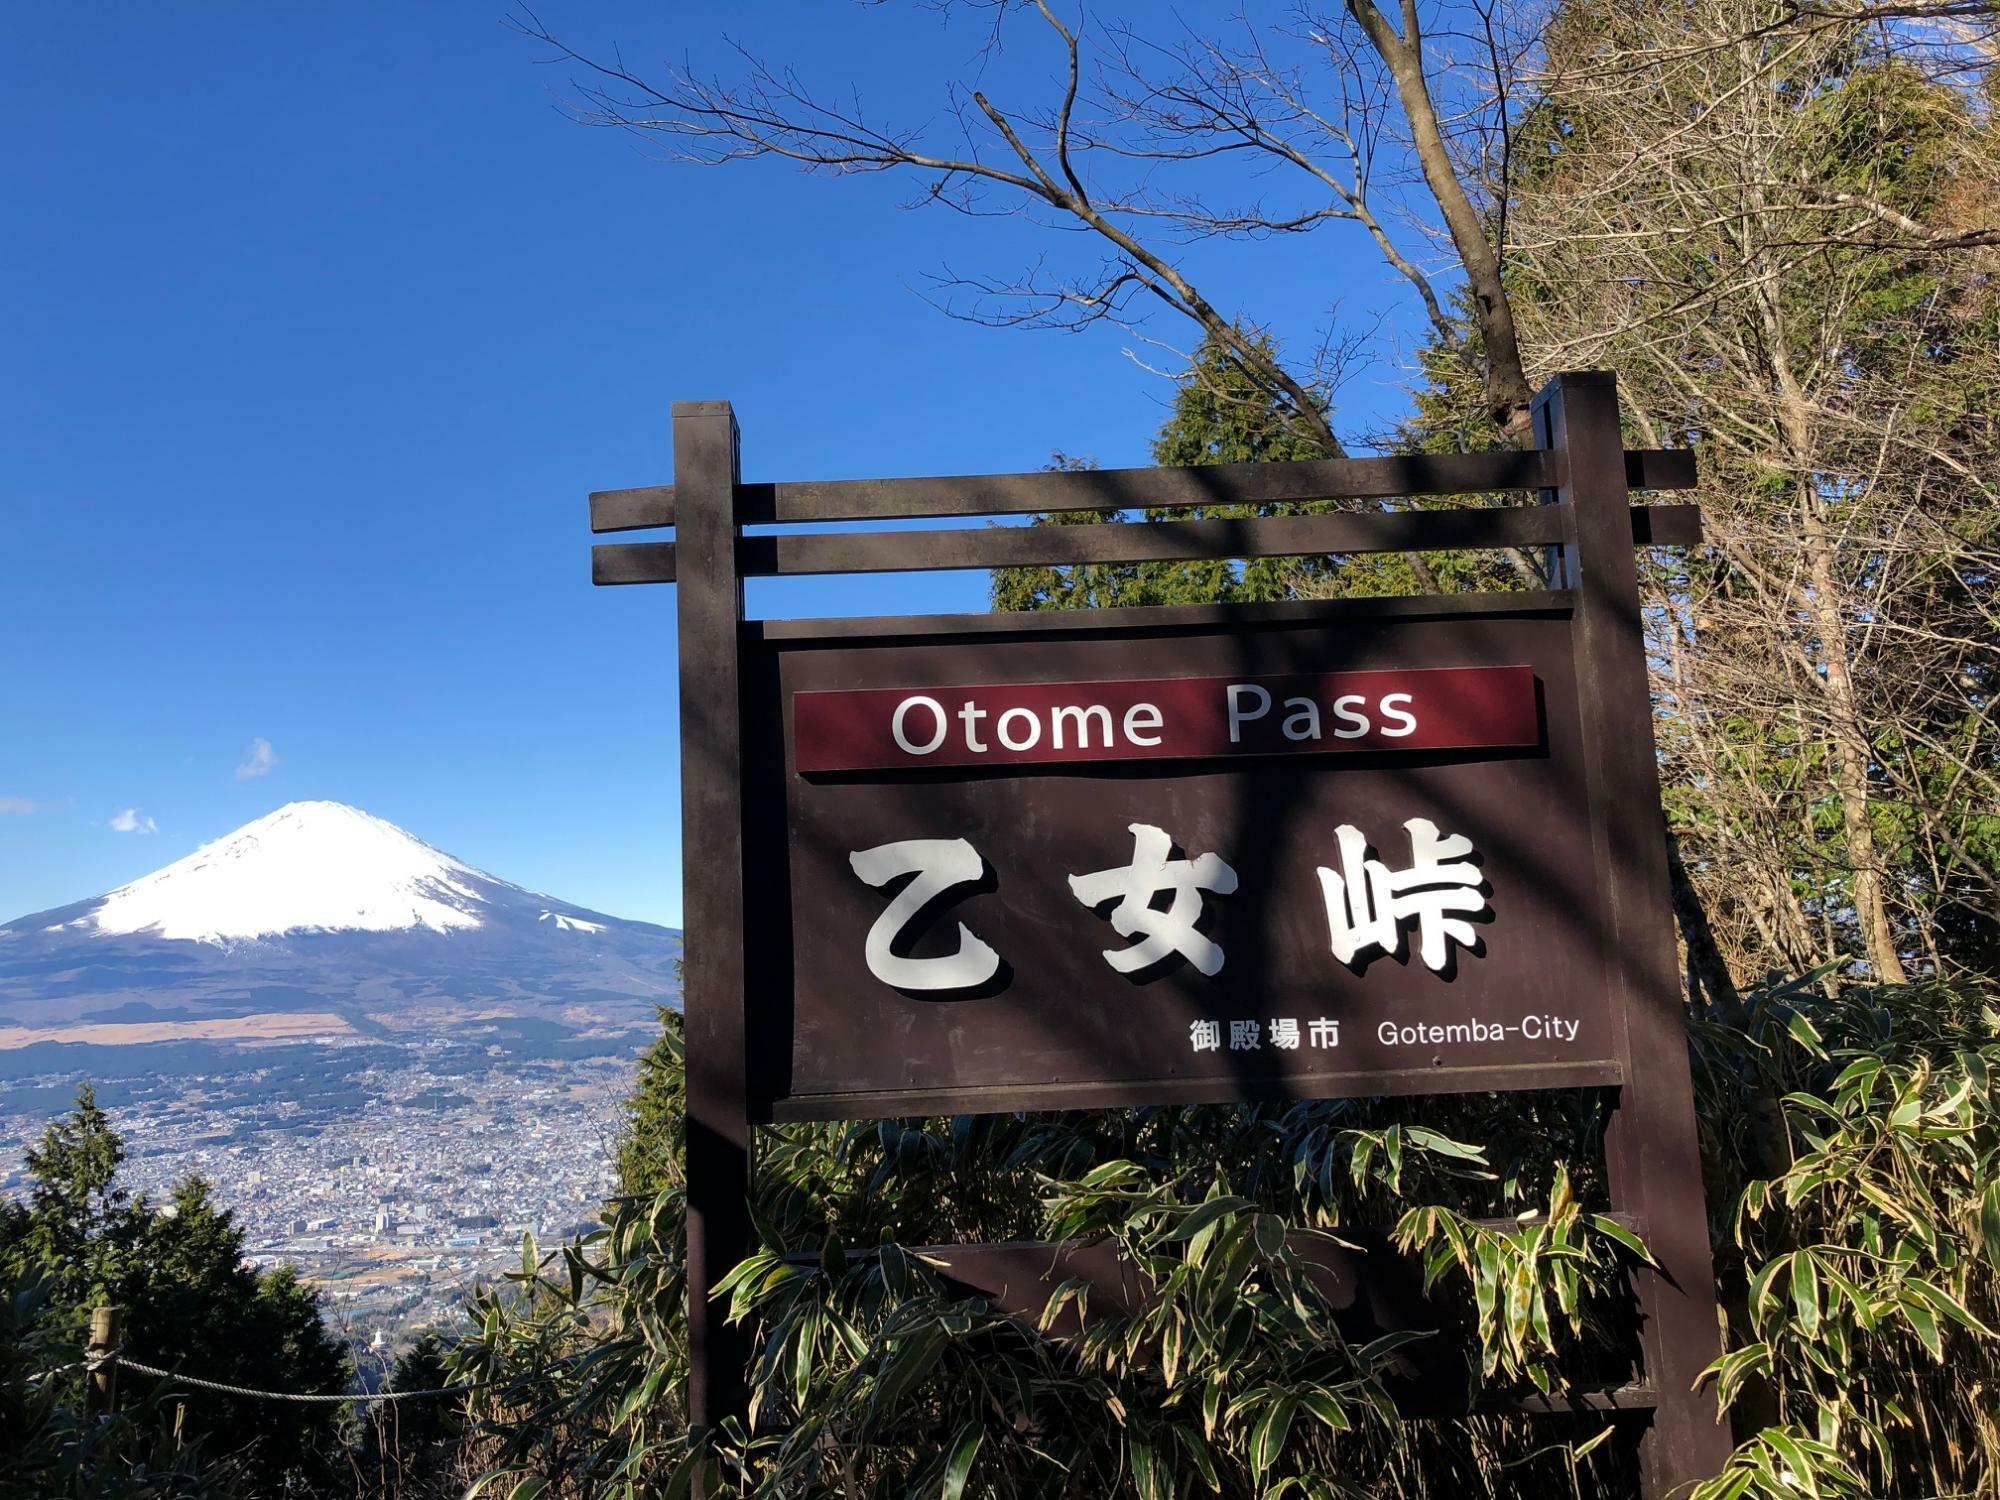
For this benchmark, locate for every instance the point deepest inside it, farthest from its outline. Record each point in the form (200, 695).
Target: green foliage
(1863, 1235)
(1517, 1271)
(582, 1357)
(190, 1302)
(874, 1375)
(1860, 1269)
(654, 1139)
(869, 1353)
(1221, 415)
(48, 1447)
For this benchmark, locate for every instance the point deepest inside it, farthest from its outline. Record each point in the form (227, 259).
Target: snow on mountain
(570, 924)
(309, 866)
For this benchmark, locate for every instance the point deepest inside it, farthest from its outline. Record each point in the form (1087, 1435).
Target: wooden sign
(1240, 913)
(1184, 854)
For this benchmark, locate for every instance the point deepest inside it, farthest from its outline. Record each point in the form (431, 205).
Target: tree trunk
(1851, 750)
(1849, 741)
(1507, 393)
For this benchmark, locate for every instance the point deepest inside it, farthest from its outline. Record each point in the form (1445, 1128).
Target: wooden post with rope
(101, 1354)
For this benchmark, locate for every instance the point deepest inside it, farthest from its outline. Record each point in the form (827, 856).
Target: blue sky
(323, 321)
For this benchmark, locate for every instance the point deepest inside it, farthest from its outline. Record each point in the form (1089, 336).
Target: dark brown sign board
(1183, 854)
(1491, 755)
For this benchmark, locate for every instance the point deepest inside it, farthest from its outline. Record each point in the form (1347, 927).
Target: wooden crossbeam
(633, 562)
(820, 553)
(1138, 489)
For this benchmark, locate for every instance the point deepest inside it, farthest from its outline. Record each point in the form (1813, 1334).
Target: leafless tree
(1349, 106)
(1697, 227)
(1722, 243)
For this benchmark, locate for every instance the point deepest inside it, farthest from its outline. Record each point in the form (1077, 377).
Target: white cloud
(262, 759)
(22, 805)
(129, 821)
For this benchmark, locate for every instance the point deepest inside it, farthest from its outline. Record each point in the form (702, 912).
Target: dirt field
(279, 1026)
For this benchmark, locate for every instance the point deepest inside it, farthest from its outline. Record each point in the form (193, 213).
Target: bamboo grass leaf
(958, 1468)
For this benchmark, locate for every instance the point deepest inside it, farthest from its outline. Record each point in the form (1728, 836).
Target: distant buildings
(390, 1210)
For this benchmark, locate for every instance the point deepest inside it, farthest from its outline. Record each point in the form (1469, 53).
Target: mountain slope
(319, 907)
(309, 865)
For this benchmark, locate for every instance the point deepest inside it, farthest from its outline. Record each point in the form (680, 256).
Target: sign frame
(1582, 475)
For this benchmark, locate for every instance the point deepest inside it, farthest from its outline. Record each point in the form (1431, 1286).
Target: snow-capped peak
(315, 866)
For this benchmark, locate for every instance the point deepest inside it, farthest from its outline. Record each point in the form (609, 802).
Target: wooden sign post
(1186, 854)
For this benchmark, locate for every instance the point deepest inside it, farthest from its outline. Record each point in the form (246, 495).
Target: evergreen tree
(1222, 414)
(78, 1225)
(654, 1142)
(190, 1301)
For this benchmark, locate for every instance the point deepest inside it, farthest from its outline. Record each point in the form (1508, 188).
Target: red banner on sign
(1171, 718)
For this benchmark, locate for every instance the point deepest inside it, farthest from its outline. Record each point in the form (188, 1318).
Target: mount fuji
(321, 921)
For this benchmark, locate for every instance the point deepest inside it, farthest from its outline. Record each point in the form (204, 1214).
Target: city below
(392, 1193)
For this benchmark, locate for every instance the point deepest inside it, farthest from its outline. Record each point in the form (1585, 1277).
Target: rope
(97, 1360)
